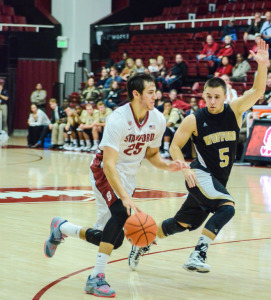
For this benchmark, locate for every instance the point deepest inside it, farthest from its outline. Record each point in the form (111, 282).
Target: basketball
(140, 229)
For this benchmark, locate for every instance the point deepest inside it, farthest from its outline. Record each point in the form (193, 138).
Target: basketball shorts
(203, 199)
(104, 194)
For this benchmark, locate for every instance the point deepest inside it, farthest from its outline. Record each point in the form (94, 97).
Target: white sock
(100, 265)
(82, 143)
(70, 229)
(166, 146)
(203, 240)
(88, 143)
(96, 142)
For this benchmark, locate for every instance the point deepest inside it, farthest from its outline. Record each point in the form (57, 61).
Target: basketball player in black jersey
(214, 130)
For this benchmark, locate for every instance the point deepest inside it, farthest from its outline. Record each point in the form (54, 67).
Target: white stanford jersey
(131, 139)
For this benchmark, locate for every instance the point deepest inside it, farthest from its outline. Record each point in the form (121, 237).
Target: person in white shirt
(231, 93)
(132, 132)
(38, 97)
(37, 126)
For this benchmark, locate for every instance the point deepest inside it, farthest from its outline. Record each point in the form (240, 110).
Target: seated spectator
(103, 78)
(209, 50)
(73, 122)
(177, 75)
(3, 106)
(267, 94)
(90, 121)
(129, 67)
(159, 102)
(230, 29)
(266, 28)
(57, 125)
(194, 106)
(255, 48)
(239, 71)
(254, 28)
(113, 99)
(177, 103)
(90, 94)
(113, 76)
(104, 112)
(231, 93)
(122, 63)
(153, 67)
(224, 68)
(37, 127)
(38, 97)
(161, 66)
(173, 118)
(139, 66)
(226, 50)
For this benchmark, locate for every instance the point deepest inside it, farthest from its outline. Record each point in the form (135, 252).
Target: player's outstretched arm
(110, 158)
(251, 96)
(182, 135)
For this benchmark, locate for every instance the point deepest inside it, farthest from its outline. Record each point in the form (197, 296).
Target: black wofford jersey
(216, 142)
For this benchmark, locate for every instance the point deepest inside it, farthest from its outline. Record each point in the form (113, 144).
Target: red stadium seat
(7, 10)
(5, 19)
(192, 71)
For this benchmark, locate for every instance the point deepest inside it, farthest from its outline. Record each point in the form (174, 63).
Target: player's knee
(119, 240)
(119, 212)
(171, 226)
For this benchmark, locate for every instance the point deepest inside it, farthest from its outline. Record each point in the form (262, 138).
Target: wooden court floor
(37, 185)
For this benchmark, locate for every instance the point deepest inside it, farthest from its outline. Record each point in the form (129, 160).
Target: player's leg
(95, 135)
(86, 134)
(213, 197)
(168, 135)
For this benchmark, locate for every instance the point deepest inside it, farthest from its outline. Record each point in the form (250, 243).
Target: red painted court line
(47, 287)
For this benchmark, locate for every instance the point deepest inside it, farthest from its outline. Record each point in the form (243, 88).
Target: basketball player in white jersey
(132, 132)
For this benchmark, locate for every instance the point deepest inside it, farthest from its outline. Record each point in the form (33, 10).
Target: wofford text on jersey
(219, 137)
(139, 138)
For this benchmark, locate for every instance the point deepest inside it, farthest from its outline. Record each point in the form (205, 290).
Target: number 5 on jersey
(224, 157)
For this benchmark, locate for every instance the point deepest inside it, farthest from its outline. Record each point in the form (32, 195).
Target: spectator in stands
(226, 50)
(3, 105)
(113, 99)
(58, 123)
(255, 48)
(122, 63)
(230, 29)
(231, 93)
(178, 74)
(37, 127)
(193, 106)
(38, 97)
(266, 28)
(113, 76)
(224, 68)
(159, 102)
(173, 118)
(267, 94)
(177, 103)
(254, 28)
(129, 67)
(90, 94)
(139, 66)
(65, 103)
(103, 78)
(90, 121)
(161, 66)
(239, 71)
(82, 113)
(153, 67)
(209, 50)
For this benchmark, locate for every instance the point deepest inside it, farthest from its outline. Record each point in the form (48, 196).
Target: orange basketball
(140, 229)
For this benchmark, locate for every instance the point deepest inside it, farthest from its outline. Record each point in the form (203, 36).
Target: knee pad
(220, 218)
(171, 226)
(119, 240)
(119, 212)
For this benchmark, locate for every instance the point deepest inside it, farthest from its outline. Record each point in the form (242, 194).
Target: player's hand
(130, 204)
(178, 165)
(190, 177)
(262, 56)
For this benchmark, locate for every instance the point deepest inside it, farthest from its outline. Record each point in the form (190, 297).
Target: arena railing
(37, 27)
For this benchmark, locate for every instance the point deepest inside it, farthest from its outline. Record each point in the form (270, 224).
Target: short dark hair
(216, 82)
(137, 82)
(167, 101)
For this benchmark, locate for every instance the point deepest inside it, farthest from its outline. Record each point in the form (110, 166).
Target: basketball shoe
(55, 237)
(97, 286)
(196, 262)
(134, 256)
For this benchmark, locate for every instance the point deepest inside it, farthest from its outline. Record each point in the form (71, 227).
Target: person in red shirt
(255, 48)
(177, 103)
(224, 68)
(210, 48)
(226, 50)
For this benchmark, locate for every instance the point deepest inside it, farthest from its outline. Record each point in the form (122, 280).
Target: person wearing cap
(230, 29)
(3, 105)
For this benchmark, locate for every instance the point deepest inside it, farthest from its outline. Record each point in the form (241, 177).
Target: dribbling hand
(130, 205)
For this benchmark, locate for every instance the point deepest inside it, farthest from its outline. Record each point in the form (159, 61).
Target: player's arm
(250, 97)
(181, 137)
(110, 157)
(154, 157)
